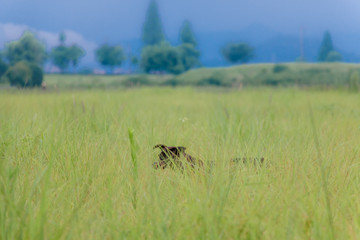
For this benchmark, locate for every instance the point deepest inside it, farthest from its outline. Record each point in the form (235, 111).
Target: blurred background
(216, 33)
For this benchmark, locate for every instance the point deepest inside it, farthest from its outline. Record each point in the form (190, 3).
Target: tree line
(25, 57)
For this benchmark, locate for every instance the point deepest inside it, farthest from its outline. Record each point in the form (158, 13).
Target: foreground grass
(67, 169)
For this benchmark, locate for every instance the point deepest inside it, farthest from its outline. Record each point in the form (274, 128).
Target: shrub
(217, 79)
(162, 58)
(37, 75)
(279, 68)
(24, 74)
(213, 80)
(238, 52)
(333, 56)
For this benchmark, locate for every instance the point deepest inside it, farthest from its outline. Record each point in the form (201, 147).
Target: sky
(100, 18)
(89, 22)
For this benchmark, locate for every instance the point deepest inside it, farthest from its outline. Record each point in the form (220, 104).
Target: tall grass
(78, 165)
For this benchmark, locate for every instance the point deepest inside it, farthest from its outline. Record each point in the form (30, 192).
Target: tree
(60, 57)
(134, 60)
(163, 58)
(62, 38)
(333, 56)
(238, 52)
(326, 51)
(187, 34)
(189, 56)
(24, 74)
(75, 53)
(110, 56)
(28, 48)
(152, 30)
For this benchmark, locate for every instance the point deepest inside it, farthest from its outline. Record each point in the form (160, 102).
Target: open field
(324, 75)
(67, 170)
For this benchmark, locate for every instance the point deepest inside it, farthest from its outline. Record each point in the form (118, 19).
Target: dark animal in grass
(171, 156)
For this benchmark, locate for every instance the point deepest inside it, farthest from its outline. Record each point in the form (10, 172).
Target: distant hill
(323, 75)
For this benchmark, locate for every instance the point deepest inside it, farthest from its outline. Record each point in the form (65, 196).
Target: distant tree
(333, 56)
(152, 30)
(110, 56)
(162, 58)
(60, 57)
(238, 52)
(37, 75)
(27, 48)
(189, 56)
(62, 38)
(75, 53)
(134, 60)
(187, 35)
(326, 51)
(24, 74)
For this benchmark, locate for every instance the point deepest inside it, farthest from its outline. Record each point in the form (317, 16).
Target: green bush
(334, 56)
(162, 58)
(24, 74)
(238, 52)
(37, 75)
(217, 79)
(279, 68)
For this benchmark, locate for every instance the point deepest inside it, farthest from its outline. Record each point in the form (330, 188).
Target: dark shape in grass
(171, 156)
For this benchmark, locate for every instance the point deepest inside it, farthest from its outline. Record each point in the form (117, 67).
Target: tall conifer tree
(326, 47)
(187, 34)
(152, 32)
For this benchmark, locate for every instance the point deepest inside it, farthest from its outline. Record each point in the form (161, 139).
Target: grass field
(68, 170)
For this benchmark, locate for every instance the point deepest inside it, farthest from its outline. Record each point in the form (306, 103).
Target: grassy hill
(303, 74)
(289, 74)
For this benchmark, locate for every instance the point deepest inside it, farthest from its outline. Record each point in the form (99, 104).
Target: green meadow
(78, 164)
